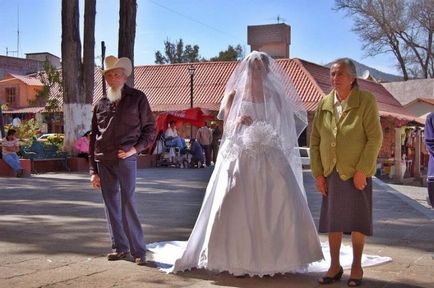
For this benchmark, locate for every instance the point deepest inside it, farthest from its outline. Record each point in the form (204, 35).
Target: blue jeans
(13, 161)
(176, 142)
(118, 184)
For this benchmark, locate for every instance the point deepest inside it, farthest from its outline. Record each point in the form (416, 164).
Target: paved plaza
(53, 233)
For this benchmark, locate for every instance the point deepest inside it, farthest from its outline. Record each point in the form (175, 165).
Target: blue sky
(318, 33)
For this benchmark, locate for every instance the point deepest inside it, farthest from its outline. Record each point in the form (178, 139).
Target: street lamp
(191, 71)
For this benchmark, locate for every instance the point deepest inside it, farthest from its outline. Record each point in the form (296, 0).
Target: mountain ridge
(375, 73)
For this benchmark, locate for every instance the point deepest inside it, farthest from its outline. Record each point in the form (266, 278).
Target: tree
(51, 78)
(402, 27)
(176, 53)
(78, 76)
(127, 32)
(231, 54)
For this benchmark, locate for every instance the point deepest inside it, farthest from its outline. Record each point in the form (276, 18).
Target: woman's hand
(122, 154)
(245, 120)
(359, 179)
(321, 185)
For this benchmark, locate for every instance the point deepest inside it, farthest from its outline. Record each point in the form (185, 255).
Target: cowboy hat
(111, 62)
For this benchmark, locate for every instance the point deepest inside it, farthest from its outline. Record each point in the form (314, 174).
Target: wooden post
(104, 93)
(397, 176)
(417, 151)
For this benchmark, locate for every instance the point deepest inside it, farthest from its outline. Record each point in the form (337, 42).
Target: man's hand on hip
(122, 154)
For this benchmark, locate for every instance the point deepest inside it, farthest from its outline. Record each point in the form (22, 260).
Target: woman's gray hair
(351, 69)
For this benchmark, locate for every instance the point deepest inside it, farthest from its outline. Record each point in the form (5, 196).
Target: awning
(27, 110)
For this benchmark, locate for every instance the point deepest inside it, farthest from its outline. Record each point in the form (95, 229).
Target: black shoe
(20, 173)
(141, 261)
(329, 280)
(117, 256)
(354, 282)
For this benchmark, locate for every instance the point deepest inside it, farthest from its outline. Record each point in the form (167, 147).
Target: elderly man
(122, 126)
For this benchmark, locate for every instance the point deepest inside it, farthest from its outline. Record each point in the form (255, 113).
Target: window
(11, 95)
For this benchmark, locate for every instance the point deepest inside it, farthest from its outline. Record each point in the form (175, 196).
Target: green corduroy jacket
(352, 144)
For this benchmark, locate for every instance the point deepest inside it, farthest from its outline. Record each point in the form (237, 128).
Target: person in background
(429, 142)
(196, 153)
(204, 137)
(216, 136)
(344, 144)
(122, 127)
(172, 140)
(82, 145)
(2, 127)
(10, 147)
(171, 130)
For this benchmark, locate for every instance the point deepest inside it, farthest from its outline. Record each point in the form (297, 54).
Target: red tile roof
(168, 86)
(424, 100)
(31, 81)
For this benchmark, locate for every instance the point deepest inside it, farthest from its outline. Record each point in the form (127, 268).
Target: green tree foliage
(404, 28)
(177, 53)
(51, 78)
(26, 131)
(231, 54)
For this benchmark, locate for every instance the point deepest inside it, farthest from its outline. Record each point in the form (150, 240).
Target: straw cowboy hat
(111, 62)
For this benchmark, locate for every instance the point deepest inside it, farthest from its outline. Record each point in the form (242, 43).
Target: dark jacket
(196, 151)
(120, 125)
(216, 135)
(429, 142)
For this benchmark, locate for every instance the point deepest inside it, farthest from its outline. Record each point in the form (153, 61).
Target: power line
(191, 18)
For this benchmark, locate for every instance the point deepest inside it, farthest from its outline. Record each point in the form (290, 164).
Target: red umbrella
(194, 116)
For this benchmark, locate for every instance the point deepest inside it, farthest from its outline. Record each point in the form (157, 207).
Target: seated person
(10, 147)
(173, 139)
(82, 145)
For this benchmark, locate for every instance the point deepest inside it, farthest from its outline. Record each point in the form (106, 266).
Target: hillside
(377, 74)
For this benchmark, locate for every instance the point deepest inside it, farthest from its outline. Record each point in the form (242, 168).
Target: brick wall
(19, 66)
(388, 125)
(273, 39)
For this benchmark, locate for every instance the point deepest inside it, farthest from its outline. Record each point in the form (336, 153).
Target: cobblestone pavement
(53, 234)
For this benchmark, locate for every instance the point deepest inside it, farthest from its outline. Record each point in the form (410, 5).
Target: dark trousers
(431, 191)
(118, 184)
(207, 150)
(83, 155)
(215, 151)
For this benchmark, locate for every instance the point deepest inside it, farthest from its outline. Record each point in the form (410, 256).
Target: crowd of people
(197, 152)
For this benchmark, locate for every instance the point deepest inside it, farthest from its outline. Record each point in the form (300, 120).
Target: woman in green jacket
(345, 141)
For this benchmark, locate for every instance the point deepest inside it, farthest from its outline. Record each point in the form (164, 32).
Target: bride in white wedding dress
(254, 218)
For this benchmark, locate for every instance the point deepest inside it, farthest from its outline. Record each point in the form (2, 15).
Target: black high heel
(355, 282)
(329, 280)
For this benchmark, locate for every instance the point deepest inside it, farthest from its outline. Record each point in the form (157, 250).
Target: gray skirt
(345, 208)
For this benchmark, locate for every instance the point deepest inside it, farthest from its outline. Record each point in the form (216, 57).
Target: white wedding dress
(254, 218)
